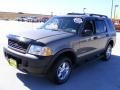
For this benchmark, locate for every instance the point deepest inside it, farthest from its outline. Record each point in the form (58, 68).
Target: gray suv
(61, 43)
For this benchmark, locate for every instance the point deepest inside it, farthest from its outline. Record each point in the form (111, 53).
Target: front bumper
(29, 63)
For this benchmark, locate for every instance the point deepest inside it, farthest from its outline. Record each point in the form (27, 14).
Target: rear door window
(100, 26)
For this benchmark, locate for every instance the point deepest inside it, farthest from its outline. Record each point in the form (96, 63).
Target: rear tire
(61, 71)
(107, 53)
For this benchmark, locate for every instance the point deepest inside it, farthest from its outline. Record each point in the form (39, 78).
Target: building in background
(117, 23)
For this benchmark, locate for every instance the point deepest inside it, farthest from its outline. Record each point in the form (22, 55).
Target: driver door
(87, 39)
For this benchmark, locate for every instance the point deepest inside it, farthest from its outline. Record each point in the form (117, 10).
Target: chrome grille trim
(17, 45)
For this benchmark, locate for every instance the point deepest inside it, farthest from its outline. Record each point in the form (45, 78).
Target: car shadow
(94, 75)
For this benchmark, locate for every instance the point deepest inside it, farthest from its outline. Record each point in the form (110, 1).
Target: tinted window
(89, 25)
(111, 25)
(88, 29)
(100, 26)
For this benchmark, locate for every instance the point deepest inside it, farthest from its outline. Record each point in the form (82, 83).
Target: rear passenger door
(100, 34)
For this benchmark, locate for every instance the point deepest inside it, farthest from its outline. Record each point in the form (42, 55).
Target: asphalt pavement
(95, 75)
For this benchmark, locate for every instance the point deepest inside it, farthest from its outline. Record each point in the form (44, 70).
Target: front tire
(61, 71)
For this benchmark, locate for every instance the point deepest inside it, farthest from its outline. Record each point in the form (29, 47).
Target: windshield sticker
(77, 20)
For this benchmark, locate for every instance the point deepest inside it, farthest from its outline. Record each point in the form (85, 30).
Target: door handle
(93, 38)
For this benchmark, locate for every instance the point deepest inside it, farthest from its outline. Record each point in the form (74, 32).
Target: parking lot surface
(95, 75)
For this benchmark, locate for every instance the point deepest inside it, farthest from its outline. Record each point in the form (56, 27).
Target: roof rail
(88, 14)
(75, 13)
(98, 15)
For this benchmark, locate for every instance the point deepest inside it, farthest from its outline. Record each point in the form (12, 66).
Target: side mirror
(87, 32)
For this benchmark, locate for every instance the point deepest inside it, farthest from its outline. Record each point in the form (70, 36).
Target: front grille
(17, 45)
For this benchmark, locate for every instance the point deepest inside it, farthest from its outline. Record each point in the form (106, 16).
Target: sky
(60, 7)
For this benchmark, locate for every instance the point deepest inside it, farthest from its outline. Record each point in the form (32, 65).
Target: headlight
(38, 50)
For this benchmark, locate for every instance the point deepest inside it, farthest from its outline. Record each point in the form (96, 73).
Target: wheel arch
(110, 42)
(64, 53)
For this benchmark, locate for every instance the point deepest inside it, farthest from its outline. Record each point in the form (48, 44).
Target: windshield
(67, 24)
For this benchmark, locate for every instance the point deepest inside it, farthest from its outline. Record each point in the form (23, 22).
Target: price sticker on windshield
(77, 20)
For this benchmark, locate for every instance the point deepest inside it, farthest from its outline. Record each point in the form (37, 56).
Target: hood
(44, 36)
(39, 34)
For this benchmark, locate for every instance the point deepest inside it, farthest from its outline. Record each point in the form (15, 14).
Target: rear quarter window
(111, 25)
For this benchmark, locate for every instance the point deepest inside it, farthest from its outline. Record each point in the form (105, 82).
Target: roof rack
(75, 13)
(99, 15)
(88, 14)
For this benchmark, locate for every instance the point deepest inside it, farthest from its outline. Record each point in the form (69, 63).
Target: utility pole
(84, 10)
(115, 11)
(51, 14)
(111, 9)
